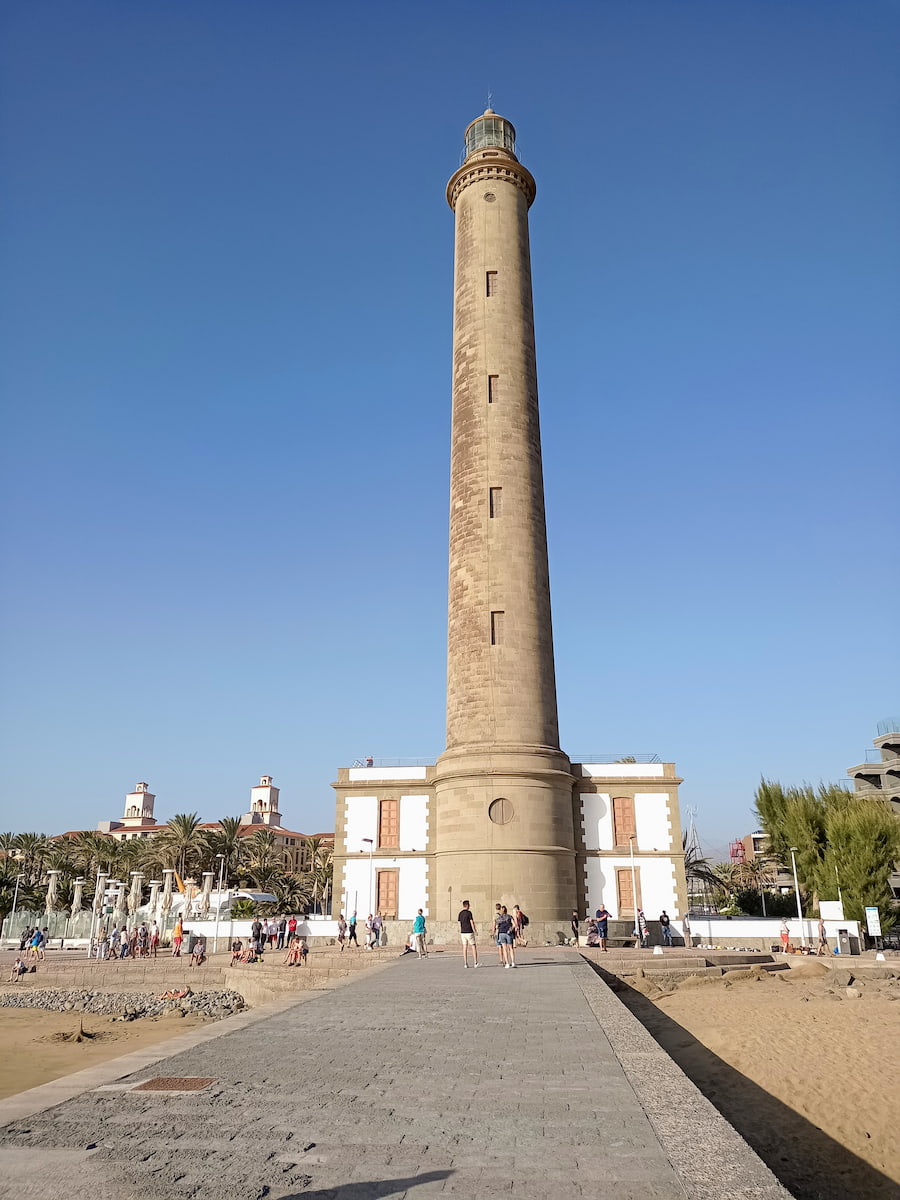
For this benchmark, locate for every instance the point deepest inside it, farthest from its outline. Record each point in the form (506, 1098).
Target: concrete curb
(709, 1156)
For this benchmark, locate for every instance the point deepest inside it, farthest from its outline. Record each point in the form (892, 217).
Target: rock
(853, 993)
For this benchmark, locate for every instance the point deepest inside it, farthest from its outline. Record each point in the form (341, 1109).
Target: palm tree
(32, 848)
(266, 876)
(292, 893)
(261, 849)
(227, 841)
(181, 841)
(317, 857)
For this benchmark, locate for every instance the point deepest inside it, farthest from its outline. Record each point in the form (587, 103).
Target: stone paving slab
(417, 1080)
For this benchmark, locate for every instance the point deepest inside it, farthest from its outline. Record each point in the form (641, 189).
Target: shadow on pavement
(368, 1189)
(810, 1164)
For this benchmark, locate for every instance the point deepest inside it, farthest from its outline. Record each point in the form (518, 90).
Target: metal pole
(797, 894)
(12, 915)
(634, 884)
(371, 842)
(219, 902)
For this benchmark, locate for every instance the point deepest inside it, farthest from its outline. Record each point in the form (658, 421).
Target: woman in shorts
(505, 937)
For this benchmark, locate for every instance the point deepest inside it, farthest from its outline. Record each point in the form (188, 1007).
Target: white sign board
(831, 910)
(873, 922)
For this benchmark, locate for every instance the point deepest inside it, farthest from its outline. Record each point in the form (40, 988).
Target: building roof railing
(606, 757)
(888, 725)
(403, 761)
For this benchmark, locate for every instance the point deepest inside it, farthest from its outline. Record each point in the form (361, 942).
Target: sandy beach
(37, 1046)
(805, 1068)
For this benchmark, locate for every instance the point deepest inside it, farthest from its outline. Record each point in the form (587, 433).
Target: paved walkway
(416, 1080)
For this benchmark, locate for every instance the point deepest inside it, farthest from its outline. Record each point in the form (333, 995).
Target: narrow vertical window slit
(496, 628)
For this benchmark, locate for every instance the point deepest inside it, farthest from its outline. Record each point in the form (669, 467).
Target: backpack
(524, 920)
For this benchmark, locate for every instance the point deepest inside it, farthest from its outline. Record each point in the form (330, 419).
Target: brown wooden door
(389, 823)
(623, 819)
(386, 888)
(625, 892)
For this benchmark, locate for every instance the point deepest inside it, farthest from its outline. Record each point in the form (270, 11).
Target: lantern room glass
(490, 131)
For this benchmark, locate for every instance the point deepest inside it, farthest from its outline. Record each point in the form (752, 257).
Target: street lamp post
(797, 894)
(371, 842)
(631, 840)
(12, 915)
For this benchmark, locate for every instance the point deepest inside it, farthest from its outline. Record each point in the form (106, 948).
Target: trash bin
(843, 938)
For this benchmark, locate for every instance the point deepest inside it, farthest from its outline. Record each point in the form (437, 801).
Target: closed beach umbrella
(207, 890)
(51, 889)
(121, 905)
(100, 894)
(76, 896)
(134, 896)
(165, 904)
(153, 903)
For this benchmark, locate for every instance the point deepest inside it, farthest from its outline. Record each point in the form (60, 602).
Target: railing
(391, 762)
(888, 725)
(606, 757)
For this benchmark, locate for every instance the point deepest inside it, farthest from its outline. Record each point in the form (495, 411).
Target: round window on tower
(490, 197)
(501, 811)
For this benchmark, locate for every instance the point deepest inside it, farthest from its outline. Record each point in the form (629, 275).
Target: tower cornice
(488, 167)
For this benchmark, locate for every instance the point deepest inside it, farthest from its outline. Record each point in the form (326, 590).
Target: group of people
(33, 942)
(598, 928)
(507, 932)
(141, 941)
(348, 935)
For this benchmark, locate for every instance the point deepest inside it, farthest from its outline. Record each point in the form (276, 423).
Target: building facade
(291, 846)
(879, 777)
(503, 815)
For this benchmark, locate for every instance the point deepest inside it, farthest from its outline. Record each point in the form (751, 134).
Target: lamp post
(12, 915)
(797, 894)
(371, 842)
(221, 858)
(631, 840)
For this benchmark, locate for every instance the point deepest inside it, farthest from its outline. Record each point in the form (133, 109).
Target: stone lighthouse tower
(503, 815)
(503, 789)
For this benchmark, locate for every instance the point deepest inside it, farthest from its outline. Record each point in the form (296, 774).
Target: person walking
(495, 933)
(377, 929)
(154, 939)
(575, 924)
(602, 918)
(506, 937)
(785, 936)
(643, 930)
(177, 938)
(519, 923)
(467, 932)
(351, 932)
(419, 934)
(342, 931)
(370, 931)
(666, 926)
(282, 930)
(822, 947)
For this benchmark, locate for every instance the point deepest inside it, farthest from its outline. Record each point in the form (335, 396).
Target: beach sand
(805, 1069)
(34, 1049)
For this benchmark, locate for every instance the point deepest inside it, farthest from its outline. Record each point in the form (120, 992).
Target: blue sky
(225, 310)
